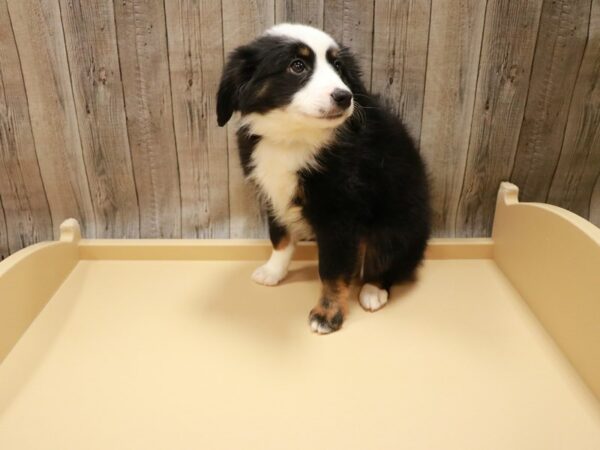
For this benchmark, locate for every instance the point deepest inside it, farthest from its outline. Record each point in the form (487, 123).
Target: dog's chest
(275, 171)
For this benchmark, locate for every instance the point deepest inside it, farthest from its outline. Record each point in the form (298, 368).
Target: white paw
(268, 276)
(320, 327)
(372, 298)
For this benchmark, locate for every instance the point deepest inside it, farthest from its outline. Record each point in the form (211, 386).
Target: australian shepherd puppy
(331, 163)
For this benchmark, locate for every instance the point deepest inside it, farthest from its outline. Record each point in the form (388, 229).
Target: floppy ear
(237, 73)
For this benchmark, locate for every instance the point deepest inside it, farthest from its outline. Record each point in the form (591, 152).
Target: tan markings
(336, 292)
(299, 198)
(304, 51)
(333, 305)
(334, 52)
(263, 90)
(362, 251)
(283, 243)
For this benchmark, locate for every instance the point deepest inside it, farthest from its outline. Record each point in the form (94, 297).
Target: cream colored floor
(192, 355)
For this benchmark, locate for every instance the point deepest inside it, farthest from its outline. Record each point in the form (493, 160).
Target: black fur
(277, 232)
(371, 189)
(256, 78)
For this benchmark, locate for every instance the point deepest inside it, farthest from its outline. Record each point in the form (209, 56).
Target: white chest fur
(276, 166)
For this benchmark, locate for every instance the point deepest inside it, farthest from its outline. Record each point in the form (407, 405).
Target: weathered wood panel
(91, 42)
(4, 250)
(24, 212)
(196, 61)
(452, 67)
(242, 22)
(509, 38)
(309, 12)
(350, 22)
(595, 204)
(40, 42)
(107, 107)
(401, 34)
(561, 41)
(142, 44)
(579, 164)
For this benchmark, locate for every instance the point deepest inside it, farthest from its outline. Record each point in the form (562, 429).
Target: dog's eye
(338, 65)
(297, 66)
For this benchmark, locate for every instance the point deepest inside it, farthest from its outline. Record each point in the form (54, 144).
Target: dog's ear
(237, 73)
(352, 72)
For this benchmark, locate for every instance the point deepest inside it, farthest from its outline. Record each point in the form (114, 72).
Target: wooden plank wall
(500, 97)
(24, 211)
(107, 108)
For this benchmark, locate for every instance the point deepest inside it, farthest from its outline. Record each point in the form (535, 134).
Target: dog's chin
(332, 116)
(327, 120)
(294, 123)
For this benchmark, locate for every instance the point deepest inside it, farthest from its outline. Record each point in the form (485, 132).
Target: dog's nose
(341, 97)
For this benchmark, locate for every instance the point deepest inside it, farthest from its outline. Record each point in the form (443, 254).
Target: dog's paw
(268, 276)
(324, 320)
(372, 298)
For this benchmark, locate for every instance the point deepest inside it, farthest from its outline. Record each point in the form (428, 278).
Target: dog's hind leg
(375, 290)
(388, 259)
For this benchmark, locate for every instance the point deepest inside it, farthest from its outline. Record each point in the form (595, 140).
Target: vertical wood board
(350, 22)
(25, 212)
(452, 68)
(90, 38)
(509, 37)
(40, 42)
(142, 44)
(308, 12)
(401, 34)
(560, 45)
(196, 61)
(579, 164)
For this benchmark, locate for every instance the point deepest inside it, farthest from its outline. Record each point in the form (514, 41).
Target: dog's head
(294, 75)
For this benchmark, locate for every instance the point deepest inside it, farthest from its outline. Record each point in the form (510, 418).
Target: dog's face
(293, 74)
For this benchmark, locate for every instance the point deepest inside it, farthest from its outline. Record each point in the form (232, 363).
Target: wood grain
(560, 45)
(452, 67)
(350, 22)
(40, 42)
(595, 204)
(242, 22)
(579, 164)
(196, 61)
(107, 108)
(4, 250)
(308, 12)
(91, 42)
(142, 44)
(24, 215)
(509, 38)
(400, 40)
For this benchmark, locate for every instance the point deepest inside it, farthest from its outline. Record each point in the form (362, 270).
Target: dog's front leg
(276, 268)
(338, 259)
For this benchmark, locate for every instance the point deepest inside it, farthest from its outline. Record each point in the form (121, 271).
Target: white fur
(277, 159)
(292, 135)
(372, 298)
(275, 171)
(321, 328)
(314, 99)
(318, 40)
(276, 268)
(286, 127)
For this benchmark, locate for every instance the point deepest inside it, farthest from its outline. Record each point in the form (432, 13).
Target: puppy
(331, 163)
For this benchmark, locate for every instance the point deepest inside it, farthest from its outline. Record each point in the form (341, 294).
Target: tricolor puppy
(331, 164)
